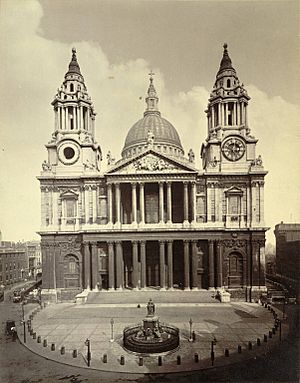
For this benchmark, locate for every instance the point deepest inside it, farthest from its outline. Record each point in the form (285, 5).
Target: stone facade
(152, 219)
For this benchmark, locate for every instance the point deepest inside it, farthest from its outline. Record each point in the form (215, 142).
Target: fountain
(151, 336)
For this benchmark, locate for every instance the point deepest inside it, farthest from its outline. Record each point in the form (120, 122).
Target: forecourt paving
(231, 324)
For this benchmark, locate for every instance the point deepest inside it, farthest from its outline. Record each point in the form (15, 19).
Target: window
(233, 205)
(228, 83)
(71, 88)
(70, 208)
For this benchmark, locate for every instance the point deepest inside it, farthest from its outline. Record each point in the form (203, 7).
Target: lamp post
(191, 323)
(212, 353)
(88, 357)
(112, 330)
(23, 321)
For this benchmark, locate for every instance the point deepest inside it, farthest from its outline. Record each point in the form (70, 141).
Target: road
(18, 365)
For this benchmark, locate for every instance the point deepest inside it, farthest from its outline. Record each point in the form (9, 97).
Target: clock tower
(229, 147)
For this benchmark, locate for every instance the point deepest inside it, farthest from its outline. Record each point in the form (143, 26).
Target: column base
(186, 224)
(162, 289)
(187, 289)
(211, 289)
(111, 289)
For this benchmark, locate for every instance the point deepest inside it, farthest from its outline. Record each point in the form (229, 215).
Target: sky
(118, 43)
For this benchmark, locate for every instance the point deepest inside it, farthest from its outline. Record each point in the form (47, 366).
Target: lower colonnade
(164, 264)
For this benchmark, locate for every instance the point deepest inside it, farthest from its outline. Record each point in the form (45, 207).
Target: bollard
(270, 334)
(34, 335)
(62, 350)
(194, 336)
(178, 359)
(104, 358)
(31, 331)
(52, 346)
(122, 360)
(212, 357)
(265, 338)
(258, 341)
(226, 352)
(274, 330)
(39, 339)
(266, 305)
(269, 308)
(249, 346)
(196, 358)
(45, 343)
(159, 360)
(239, 349)
(141, 361)
(74, 353)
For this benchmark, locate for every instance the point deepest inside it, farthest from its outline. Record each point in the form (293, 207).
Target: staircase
(141, 297)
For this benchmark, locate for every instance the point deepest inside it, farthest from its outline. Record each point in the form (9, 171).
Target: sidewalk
(68, 325)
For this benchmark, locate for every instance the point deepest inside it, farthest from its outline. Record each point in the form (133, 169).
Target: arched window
(71, 272)
(235, 270)
(71, 88)
(228, 83)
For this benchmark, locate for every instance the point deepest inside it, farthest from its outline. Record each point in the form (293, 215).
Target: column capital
(142, 241)
(134, 242)
(141, 183)
(169, 240)
(185, 183)
(110, 242)
(133, 184)
(162, 241)
(186, 241)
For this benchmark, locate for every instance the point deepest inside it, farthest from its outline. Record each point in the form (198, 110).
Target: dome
(152, 130)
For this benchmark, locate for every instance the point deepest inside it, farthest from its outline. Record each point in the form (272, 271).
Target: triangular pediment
(151, 161)
(69, 194)
(234, 190)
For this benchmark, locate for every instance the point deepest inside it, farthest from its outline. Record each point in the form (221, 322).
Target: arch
(71, 271)
(235, 269)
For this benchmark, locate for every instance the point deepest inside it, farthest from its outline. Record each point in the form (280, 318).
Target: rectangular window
(71, 208)
(233, 205)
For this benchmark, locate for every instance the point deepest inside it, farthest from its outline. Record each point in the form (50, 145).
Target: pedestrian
(13, 333)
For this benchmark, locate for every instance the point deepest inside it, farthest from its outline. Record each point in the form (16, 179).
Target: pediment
(151, 162)
(69, 194)
(234, 190)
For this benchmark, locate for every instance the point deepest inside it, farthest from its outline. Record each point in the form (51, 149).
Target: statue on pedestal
(150, 308)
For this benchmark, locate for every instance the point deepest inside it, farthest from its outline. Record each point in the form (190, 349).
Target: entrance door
(235, 270)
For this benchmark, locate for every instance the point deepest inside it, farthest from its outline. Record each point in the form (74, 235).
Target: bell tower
(73, 148)
(229, 147)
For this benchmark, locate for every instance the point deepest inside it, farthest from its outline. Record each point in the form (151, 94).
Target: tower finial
(225, 46)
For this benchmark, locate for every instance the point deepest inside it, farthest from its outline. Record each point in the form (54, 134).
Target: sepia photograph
(149, 191)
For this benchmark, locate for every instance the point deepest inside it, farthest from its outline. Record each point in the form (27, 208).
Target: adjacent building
(152, 219)
(288, 253)
(13, 263)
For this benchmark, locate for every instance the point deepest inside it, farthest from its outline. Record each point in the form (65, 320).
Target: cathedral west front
(153, 220)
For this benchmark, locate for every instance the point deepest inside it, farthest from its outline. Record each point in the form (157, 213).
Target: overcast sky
(118, 43)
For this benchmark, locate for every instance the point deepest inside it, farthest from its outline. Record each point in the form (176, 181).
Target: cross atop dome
(151, 99)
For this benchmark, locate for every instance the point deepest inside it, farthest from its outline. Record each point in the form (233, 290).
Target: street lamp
(89, 355)
(191, 323)
(212, 354)
(23, 321)
(112, 330)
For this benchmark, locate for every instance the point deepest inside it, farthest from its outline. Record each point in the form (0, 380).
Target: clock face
(233, 149)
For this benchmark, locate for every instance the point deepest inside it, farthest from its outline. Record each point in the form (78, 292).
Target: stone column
(67, 119)
(161, 202)
(243, 122)
(185, 203)
(170, 264)
(119, 266)
(217, 203)
(87, 266)
(211, 266)
(255, 263)
(253, 203)
(219, 265)
(94, 194)
(169, 202)
(194, 264)
(111, 266)
(234, 114)
(135, 264)
(193, 200)
(162, 271)
(118, 203)
(133, 203)
(238, 113)
(186, 246)
(55, 206)
(81, 117)
(261, 203)
(208, 201)
(226, 114)
(142, 203)
(95, 266)
(212, 116)
(110, 204)
(143, 263)
(87, 203)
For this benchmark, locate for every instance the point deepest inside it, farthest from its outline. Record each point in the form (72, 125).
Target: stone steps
(142, 297)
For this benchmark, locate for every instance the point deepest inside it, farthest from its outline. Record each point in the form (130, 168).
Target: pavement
(232, 324)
